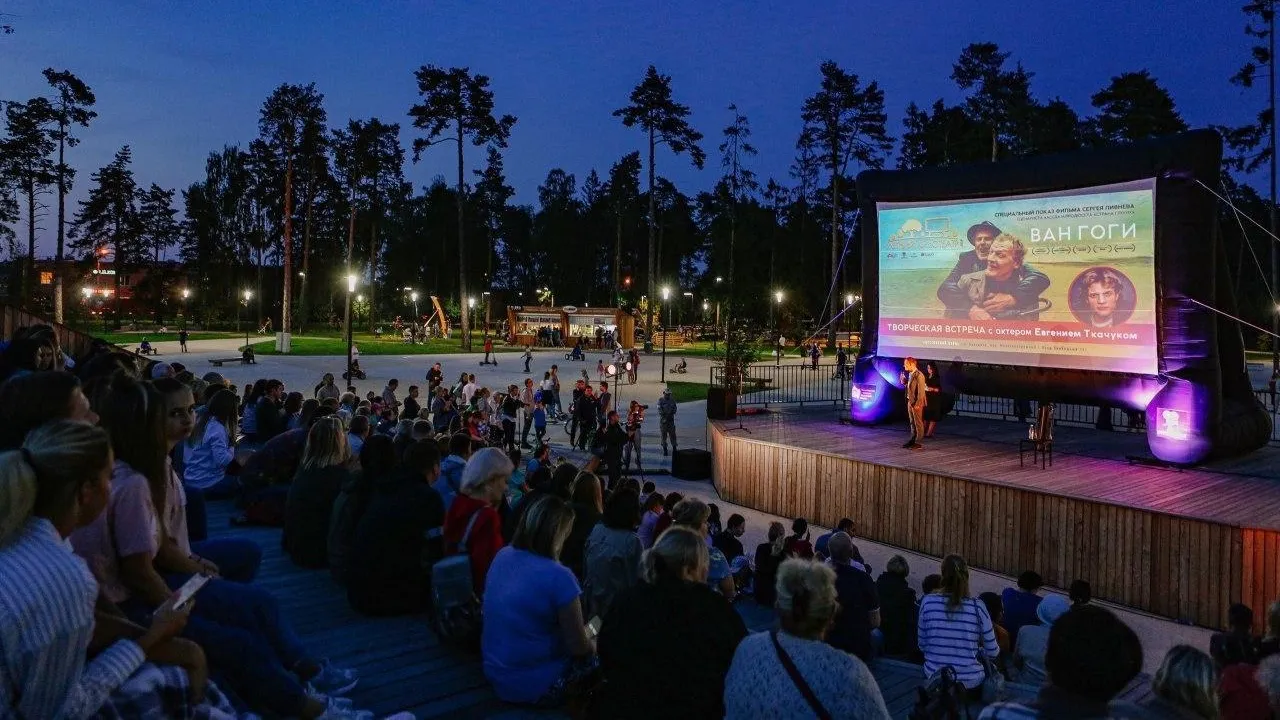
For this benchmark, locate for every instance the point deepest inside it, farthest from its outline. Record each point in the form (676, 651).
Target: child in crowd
(539, 420)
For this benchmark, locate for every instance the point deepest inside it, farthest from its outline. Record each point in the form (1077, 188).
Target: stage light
(611, 371)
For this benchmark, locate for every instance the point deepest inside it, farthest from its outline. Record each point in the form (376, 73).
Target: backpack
(942, 698)
(456, 611)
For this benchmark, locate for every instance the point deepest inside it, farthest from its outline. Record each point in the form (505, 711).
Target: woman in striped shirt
(954, 629)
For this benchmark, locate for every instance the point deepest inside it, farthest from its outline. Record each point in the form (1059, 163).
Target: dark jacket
(664, 652)
(307, 515)
(897, 614)
(856, 593)
(348, 508)
(767, 574)
(725, 542)
(394, 544)
(410, 409)
(585, 518)
(271, 420)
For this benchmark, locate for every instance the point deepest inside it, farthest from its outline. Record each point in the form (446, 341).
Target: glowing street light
(87, 292)
(413, 296)
(239, 316)
(351, 283)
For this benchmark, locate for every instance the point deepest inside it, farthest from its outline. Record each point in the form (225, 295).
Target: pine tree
(108, 219)
(71, 103)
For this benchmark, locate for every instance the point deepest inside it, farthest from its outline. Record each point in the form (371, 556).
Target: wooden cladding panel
(1182, 568)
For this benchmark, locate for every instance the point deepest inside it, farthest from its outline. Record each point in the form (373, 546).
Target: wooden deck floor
(1088, 465)
(403, 667)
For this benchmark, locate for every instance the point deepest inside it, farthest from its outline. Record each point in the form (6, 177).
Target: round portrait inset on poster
(1102, 297)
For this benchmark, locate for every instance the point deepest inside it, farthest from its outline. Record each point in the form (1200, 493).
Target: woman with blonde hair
(324, 469)
(535, 643)
(954, 629)
(1185, 686)
(792, 672)
(673, 608)
(769, 555)
(694, 514)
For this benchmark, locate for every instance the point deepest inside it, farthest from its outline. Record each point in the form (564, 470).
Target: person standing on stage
(917, 396)
(933, 403)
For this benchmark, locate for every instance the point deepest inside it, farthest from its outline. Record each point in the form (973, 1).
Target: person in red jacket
(484, 481)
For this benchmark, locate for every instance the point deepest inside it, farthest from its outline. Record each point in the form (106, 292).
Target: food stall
(530, 325)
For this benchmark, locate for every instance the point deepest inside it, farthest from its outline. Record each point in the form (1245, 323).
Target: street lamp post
(715, 334)
(414, 297)
(666, 295)
(185, 294)
(351, 287)
(471, 305)
(777, 296)
(247, 294)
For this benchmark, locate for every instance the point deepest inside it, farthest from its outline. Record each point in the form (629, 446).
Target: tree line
(307, 201)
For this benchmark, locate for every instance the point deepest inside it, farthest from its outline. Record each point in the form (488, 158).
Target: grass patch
(310, 345)
(132, 338)
(686, 391)
(703, 348)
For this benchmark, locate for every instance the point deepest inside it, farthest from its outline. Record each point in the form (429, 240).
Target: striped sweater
(956, 637)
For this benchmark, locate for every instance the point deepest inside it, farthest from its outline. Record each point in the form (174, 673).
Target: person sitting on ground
(357, 432)
(1080, 593)
(672, 614)
(482, 487)
(714, 524)
(648, 489)
(587, 500)
(1185, 686)
(292, 412)
(761, 684)
(666, 518)
(377, 461)
(398, 538)
(1026, 665)
(236, 559)
(930, 584)
(1270, 643)
(651, 511)
(29, 401)
(240, 627)
(324, 470)
(1020, 602)
(996, 610)
(898, 609)
(693, 513)
(1092, 656)
(859, 604)
(534, 642)
(820, 545)
(450, 482)
(1235, 654)
(769, 556)
(611, 555)
(269, 411)
(58, 482)
(727, 542)
(954, 629)
(209, 453)
(797, 544)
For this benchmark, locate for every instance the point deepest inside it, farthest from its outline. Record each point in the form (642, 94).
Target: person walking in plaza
(917, 396)
(526, 403)
(489, 358)
(667, 420)
(528, 356)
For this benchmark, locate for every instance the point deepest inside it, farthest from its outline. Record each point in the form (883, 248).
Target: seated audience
(244, 635)
(897, 609)
(1185, 687)
(235, 559)
(769, 555)
(1080, 592)
(474, 513)
(1092, 657)
(672, 615)
(588, 506)
(1026, 665)
(693, 514)
(377, 461)
(665, 519)
(930, 584)
(996, 610)
(797, 544)
(859, 604)
(449, 483)
(1020, 602)
(1270, 643)
(1268, 677)
(759, 684)
(292, 411)
(398, 538)
(534, 642)
(321, 474)
(611, 556)
(357, 431)
(209, 452)
(727, 542)
(651, 510)
(954, 629)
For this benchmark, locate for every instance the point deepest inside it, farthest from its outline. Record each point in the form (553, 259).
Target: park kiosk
(574, 323)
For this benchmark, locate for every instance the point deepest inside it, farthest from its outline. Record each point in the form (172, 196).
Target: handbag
(814, 703)
(993, 683)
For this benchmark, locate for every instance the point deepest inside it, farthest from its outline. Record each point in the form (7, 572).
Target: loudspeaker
(722, 404)
(691, 464)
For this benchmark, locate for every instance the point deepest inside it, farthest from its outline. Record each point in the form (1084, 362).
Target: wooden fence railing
(73, 342)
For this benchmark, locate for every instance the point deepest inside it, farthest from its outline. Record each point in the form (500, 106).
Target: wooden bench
(758, 383)
(217, 362)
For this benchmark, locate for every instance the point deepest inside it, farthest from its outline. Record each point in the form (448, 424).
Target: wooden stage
(1181, 544)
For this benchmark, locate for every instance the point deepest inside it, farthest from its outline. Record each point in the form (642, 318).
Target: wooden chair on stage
(1039, 438)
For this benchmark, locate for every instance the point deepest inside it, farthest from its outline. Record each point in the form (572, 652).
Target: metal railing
(765, 384)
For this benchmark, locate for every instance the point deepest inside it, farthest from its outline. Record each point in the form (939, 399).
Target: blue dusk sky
(176, 80)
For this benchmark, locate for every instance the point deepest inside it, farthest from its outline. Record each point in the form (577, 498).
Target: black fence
(764, 384)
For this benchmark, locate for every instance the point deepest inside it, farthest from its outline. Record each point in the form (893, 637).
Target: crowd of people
(578, 585)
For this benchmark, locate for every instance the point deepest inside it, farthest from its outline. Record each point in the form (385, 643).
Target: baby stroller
(355, 370)
(576, 354)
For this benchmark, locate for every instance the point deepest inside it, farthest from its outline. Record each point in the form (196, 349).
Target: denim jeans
(237, 559)
(249, 645)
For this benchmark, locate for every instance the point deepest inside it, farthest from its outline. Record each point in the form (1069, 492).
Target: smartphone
(593, 626)
(189, 589)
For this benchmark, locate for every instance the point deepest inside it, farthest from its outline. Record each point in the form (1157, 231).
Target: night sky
(178, 80)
